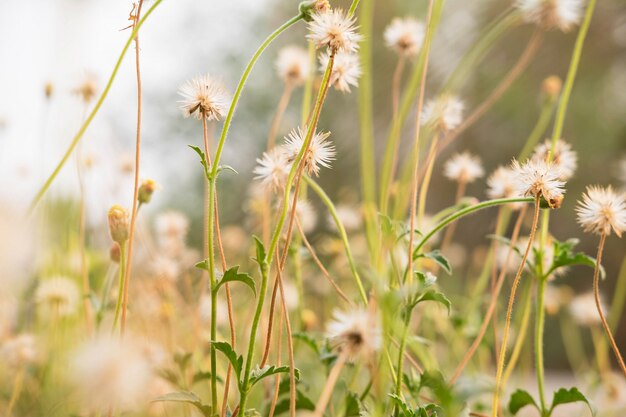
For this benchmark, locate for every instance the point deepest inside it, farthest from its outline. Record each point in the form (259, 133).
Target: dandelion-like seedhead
(346, 70)
(443, 113)
(502, 184)
(584, 310)
(335, 30)
(86, 90)
(293, 65)
(306, 215)
(563, 158)
(539, 179)
(463, 168)
(357, 333)
(550, 14)
(602, 210)
(405, 36)
(321, 152)
(204, 98)
(20, 350)
(273, 169)
(58, 296)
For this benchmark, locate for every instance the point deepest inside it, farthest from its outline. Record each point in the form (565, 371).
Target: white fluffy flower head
(501, 184)
(272, 169)
(538, 178)
(584, 311)
(602, 210)
(405, 36)
(443, 113)
(463, 168)
(549, 14)
(58, 295)
(293, 65)
(204, 97)
(564, 158)
(357, 332)
(334, 29)
(346, 70)
(320, 153)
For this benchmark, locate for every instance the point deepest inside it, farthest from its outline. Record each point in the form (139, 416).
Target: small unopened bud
(551, 86)
(118, 224)
(146, 189)
(553, 203)
(309, 319)
(310, 7)
(48, 89)
(115, 252)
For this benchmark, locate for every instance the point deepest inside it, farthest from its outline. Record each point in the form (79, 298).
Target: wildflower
(584, 311)
(550, 14)
(405, 36)
(20, 350)
(59, 295)
(335, 30)
(293, 65)
(320, 153)
(205, 97)
(146, 189)
(563, 158)
(538, 178)
(111, 374)
(602, 210)
(444, 113)
(463, 168)
(346, 70)
(357, 332)
(273, 169)
(87, 90)
(118, 224)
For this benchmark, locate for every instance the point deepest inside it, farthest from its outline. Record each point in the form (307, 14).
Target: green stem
(540, 127)
(353, 6)
(465, 212)
(342, 234)
(571, 76)
(93, 113)
(619, 296)
(405, 333)
(540, 316)
(120, 283)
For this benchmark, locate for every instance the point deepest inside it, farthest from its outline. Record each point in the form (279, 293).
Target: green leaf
(204, 265)
(521, 399)
(302, 403)
(308, 340)
(434, 295)
(438, 257)
(203, 160)
(203, 376)
(182, 359)
(260, 373)
(231, 355)
(186, 397)
(227, 168)
(260, 250)
(353, 405)
(572, 395)
(231, 275)
(405, 410)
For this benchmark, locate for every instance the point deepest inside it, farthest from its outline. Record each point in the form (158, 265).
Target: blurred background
(58, 44)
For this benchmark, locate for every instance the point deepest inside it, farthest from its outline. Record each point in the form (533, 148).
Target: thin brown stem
(278, 351)
(492, 303)
(509, 311)
(278, 116)
(135, 205)
(319, 263)
(596, 293)
(322, 403)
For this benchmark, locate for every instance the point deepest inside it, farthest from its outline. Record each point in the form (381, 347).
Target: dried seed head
(405, 36)
(443, 113)
(346, 70)
(204, 97)
(357, 332)
(58, 296)
(273, 169)
(602, 210)
(87, 90)
(552, 14)
(501, 184)
(463, 168)
(334, 30)
(118, 224)
(563, 158)
(293, 65)
(320, 153)
(584, 310)
(538, 178)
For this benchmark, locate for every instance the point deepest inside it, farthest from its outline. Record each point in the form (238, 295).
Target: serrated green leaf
(258, 374)
(520, 399)
(231, 355)
(260, 250)
(232, 275)
(353, 405)
(203, 160)
(434, 295)
(186, 397)
(405, 410)
(308, 340)
(204, 265)
(572, 395)
(438, 257)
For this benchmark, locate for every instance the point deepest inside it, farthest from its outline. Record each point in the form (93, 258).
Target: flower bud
(551, 86)
(48, 89)
(307, 8)
(146, 189)
(115, 253)
(118, 224)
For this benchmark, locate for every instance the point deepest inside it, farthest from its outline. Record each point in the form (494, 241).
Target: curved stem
(133, 216)
(596, 294)
(342, 234)
(465, 212)
(120, 283)
(93, 113)
(509, 311)
(278, 116)
(521, 336)
(430, 163)
(545, 115)
(322, 403)
(540, 317)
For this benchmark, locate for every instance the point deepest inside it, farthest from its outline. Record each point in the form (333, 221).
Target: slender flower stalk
(44, 188)
(509, 312)
(135, 202)
(539, 325)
